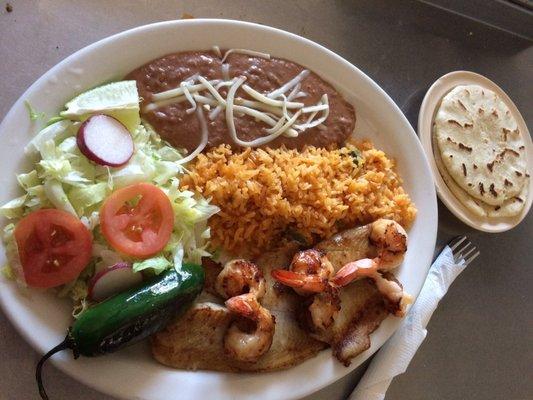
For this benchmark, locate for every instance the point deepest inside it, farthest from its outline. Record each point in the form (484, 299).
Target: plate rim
(432, 233)
(426, 116)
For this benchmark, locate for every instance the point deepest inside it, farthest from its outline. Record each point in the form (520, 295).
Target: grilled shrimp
(250, 335)
(309, 276)
(310, 269)
(352, 271)
(323, 309)
(238, 277)
(391, 290)
(397, 300)
(308, 273)
(390, 239)
(311, 273)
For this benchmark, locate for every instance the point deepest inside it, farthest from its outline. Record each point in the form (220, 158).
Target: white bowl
(428, 109)
(43, 319)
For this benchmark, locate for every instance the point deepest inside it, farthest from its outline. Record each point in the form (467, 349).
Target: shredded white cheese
(271, 102)
(225, 72)
(203, 142)
(299, 95)
(276, 109)
(163, 103)
(184, 85)
(289, 85)
(217, 51)
(231, 123)
(318, 107)
(288, 124)
(261, 116)
(212, 90)
(310, 123)
(247, 52)
(294, 91)
(205, 100)
(278, 125)
(179, 90)
(213, 114)
(191, 78)
(224, 84)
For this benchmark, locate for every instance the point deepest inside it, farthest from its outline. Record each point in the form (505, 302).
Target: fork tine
(468, 252)
(464, 247)
(465, 251)
(456, 242)
(459, 252)
(472, 258)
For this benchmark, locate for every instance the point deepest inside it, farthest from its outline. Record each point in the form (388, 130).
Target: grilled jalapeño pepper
(130, 316)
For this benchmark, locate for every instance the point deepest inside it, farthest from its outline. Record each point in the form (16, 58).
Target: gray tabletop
(479, 341)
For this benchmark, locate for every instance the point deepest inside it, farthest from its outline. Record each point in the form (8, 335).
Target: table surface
(479, 341)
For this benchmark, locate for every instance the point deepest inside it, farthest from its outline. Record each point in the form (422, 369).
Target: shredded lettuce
(191, 233)
(52, 132)
(78, 290)
(65, 179)
(81, 305)
(55, 193)
(13, 267)
(154, 160)
(14, 208)
(55, 119)
(155, 264)
(34, 115)
(26, 181)
(7, 272)
(88, 195)
(91, 221)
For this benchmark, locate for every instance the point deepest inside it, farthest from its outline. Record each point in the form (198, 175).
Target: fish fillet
(362, 306)
(195, 341)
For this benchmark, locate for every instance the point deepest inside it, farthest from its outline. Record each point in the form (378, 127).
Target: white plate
(425, 122)
(43, 319)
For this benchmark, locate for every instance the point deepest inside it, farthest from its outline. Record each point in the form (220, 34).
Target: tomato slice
(53, 246)
(137, 220)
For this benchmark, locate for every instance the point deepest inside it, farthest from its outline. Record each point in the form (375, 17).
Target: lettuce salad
(65, 179)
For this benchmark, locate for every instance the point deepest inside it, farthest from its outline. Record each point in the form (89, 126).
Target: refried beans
(182, 130)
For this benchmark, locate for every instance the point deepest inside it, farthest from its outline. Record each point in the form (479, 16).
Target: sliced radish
(105, 140)
(113, 280)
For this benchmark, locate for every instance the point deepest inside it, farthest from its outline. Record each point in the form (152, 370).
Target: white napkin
(397, 353)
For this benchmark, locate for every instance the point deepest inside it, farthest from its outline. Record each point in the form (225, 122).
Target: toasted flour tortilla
(509, 208)
(480, 145)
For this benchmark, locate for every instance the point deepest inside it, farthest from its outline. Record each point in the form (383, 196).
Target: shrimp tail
(390, 239)
(309, 283)
(355, 270)
(242, 305)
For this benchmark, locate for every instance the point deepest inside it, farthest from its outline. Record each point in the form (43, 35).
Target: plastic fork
(463, 250)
